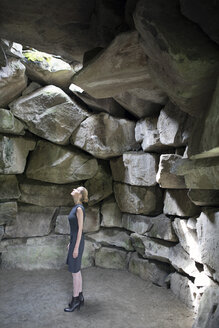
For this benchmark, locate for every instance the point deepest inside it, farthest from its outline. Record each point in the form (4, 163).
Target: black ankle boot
(75, 303)
(81, 298)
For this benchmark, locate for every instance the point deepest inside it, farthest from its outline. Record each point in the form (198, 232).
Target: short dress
(74, 264)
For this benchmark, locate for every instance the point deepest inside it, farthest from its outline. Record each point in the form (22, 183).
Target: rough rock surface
(105, 136)
(138, 200)
(120, 67)
(52, 163)
(181, 57)
(14, 152)
(13, 81)
(135, 168)
(9, 123)
(49, 113)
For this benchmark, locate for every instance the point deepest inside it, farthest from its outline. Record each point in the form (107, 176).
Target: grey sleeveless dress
(74, 264)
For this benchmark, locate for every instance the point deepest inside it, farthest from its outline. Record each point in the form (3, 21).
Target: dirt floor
(112, 298)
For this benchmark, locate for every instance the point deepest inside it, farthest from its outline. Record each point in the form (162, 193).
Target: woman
(76, 246)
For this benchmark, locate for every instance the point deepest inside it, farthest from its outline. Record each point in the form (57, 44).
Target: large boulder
(208, 238)
(8, 212)
(152, 270)
(108, 105)
(120, 67)
(47, 69)
(198, 174)
(138, 200)
(184, 289)
(100, 186)
(112, 237)
(111, 214)
(9, 187)
(164, 177)
(49, 113)
(105, 136)
(13, 81)
(176, 202)
(174, 126)
(111, 258)
(31, 221)
(47, 252)
(50, 27)
(204, 13)
(181, 56)
(46, 194)
(204, 141)
(204, 197)
(188, 239)
(49, 161)
(157, 227)
(142, 102)
(10, 124)
(135, 168)
(208, 312)
(182, 262)
(14, 152)
(151, 248)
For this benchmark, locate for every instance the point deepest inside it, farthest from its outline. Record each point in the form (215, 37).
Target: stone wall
(137, 126)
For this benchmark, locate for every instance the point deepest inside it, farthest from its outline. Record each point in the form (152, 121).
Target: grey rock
(204, 197)
(135, 168)
(105, 136)
(10, 124)
(111, 258)
(138, 200)
(9, 187)
(111, 214)
(8, 212)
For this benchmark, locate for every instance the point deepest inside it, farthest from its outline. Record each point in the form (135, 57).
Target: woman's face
(75, 193)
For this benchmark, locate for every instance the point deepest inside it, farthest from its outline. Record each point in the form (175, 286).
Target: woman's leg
(77, 283)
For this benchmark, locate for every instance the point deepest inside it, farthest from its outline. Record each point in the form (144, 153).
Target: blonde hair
(84, 193)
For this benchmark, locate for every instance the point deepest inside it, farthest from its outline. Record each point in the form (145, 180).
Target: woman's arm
(79, 214)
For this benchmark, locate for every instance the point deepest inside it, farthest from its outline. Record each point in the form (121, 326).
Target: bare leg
(77, 283)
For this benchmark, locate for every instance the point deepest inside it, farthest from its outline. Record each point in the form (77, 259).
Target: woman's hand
(75, 253)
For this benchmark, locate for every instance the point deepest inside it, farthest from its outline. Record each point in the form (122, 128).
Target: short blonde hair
(84, 193)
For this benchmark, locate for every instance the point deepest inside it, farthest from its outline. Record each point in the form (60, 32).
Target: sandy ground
(112, 298)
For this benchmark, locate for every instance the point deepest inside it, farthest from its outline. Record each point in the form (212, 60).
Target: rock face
(109, 237)
(87, 25)
(157, 227)
(111, 214)
(111, 258)
(47, 69)
(176, 46)
(151, 270)
(108, 105)
(46, 194)
(9, 124)
(9, 187)
(8, 212)
(173, 126)
(164, 177)
(142, 102)
(135, 168)
(208, 238)
(204, 14)
(198, 174)
(49, 161)
(100, 186)
(105, 136)
(204, 197)
(49, 113)
(176, 202)
(204, 141)
(120, 67)
(208, 314)
(31, 221)
(184, 289)
(14, 151)
(138, 200)
(13, 81)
